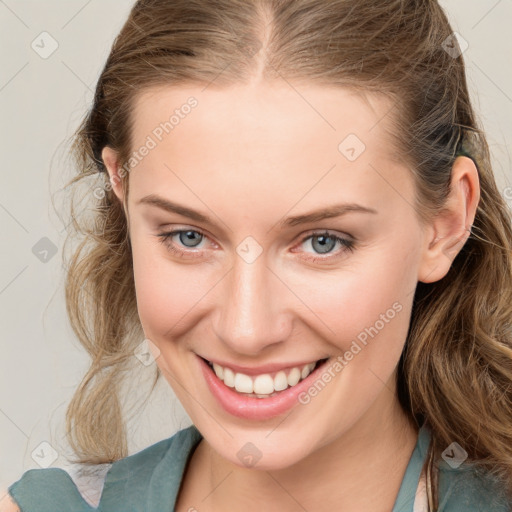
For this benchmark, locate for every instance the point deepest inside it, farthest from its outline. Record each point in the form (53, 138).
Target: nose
(254, 312)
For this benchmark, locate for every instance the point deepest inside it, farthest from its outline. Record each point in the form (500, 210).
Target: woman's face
(260, 287)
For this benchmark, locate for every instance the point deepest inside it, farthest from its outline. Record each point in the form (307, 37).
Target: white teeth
(263, 385)
(294, 376)
(219, 371)
(243, 383)
(307, 369)
(229, 378)
(280, 381)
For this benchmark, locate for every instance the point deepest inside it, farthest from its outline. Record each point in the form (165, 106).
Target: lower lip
(252, 408)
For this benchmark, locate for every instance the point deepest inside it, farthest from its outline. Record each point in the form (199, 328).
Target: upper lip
(266, 368)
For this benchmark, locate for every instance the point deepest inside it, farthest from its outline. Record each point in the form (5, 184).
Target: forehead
(264, 110)
(264, 134)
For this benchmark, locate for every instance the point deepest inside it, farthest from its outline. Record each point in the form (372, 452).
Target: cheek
(165, 291)
(370, 302)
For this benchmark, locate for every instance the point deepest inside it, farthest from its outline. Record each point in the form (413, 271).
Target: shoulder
(151, 478)
(462, 486)
(7, 503)
(172, 449)
(127, 479)
(48, 489)
(468, 489)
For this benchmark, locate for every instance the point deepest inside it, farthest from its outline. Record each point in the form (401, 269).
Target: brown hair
(455, 372)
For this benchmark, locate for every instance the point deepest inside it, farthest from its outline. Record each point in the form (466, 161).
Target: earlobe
(111, 160)
(451, 228)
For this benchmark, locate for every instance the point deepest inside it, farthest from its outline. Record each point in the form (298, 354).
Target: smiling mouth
(264, 385)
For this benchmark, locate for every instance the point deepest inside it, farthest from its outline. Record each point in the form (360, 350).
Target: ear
(111, 160)
(450, 229)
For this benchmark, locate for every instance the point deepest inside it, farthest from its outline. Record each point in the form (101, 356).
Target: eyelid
(176, 228)
(301, 237)
(323, 231)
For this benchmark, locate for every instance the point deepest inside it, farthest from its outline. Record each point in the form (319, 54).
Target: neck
(361, 470)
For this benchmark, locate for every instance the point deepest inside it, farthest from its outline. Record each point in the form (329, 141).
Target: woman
(299, 218)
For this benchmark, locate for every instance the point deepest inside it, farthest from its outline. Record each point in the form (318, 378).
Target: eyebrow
(314, 216)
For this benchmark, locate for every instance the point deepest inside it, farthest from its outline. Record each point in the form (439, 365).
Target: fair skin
(248, 157)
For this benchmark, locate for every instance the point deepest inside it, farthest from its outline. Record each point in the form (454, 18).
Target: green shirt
(148, 481)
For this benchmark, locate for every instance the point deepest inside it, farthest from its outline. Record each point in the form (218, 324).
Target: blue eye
(185, 236)
(327, 241)
(188, 236)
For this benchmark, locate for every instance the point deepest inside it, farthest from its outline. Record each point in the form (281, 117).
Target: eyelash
(348, 245)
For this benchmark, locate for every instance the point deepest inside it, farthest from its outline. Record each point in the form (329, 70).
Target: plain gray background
(41, 102)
